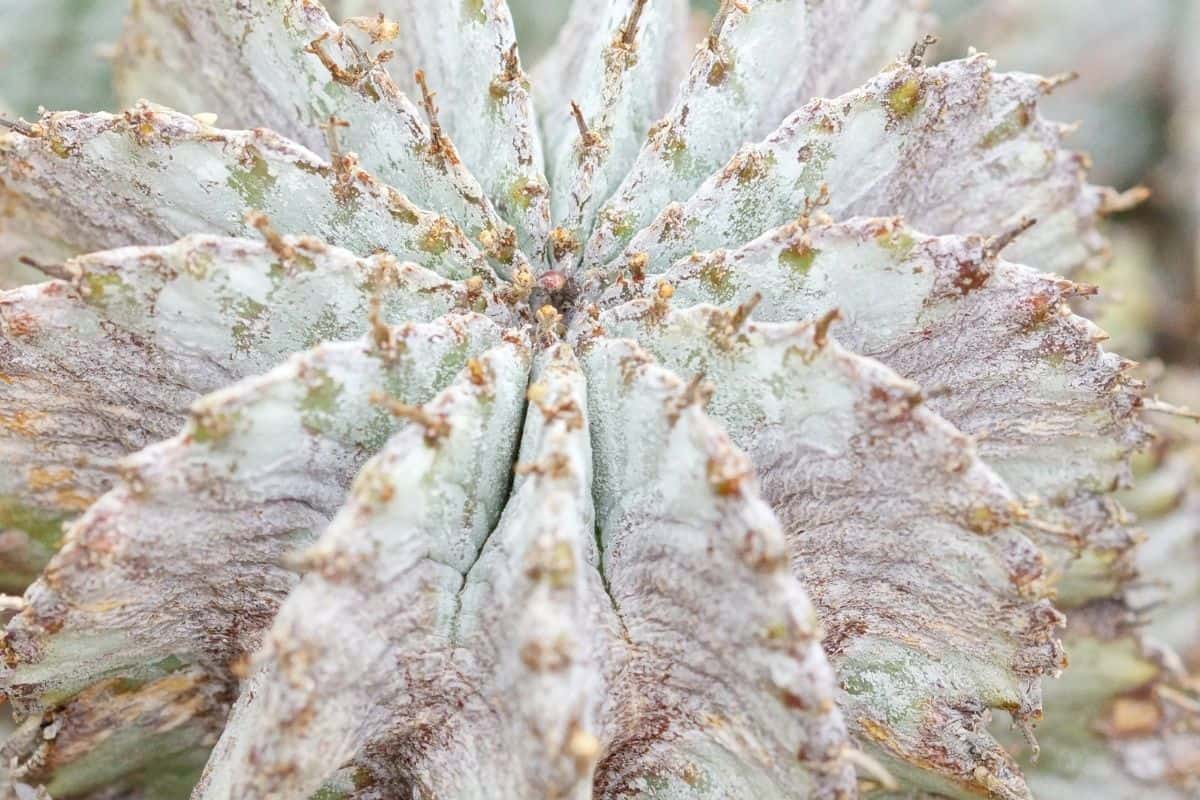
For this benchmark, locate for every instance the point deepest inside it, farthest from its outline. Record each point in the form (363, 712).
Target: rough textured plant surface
(384, 416)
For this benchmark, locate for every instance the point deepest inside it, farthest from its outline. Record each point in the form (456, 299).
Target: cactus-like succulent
(440, 430)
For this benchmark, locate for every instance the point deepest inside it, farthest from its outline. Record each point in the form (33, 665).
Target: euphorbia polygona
(641, 428)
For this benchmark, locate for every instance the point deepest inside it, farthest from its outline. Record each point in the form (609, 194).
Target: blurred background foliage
(57, 53)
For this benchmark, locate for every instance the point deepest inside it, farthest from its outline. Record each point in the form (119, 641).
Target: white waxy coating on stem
(612, 63)
(740, 85)
(995, 343)
(285, 65)
(363, 663)
(728, 693)
(151, 176)
(182, 558)
(954, 148)
(868, 483)
(467, 52)
(107, 362)
(714, 682)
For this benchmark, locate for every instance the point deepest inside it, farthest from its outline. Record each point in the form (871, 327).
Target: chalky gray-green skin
(408, 449)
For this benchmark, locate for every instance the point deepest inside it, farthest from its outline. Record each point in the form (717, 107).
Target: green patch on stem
(452, 363)
(151, 672)
(521, 192)
(717, 277)
(798, 259)
(898, 242)
(474, 9)
(248, 313)
(320, 402)
(1013, 123)
(102, 288)
(619, 222)
(252, 184)
(208, 426)
(816, 155)
(327, 328)
(903, 100)
(59, 147)
(402, 212)
(377, 431)
(681, 159)
(438, 238)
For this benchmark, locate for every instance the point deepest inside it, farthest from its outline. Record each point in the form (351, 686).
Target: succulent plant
(443, 431)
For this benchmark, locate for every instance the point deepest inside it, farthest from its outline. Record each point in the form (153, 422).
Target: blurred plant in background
(57, 53)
